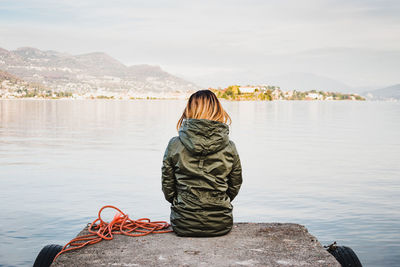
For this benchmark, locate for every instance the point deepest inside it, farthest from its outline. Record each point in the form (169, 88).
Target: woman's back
(201, 175)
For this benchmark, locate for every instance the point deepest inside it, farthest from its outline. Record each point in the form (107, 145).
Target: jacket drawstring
(201, 162)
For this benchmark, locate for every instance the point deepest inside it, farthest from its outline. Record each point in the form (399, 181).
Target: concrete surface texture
(248, 244)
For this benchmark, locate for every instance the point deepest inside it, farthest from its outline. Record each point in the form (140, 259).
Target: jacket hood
(201, 136)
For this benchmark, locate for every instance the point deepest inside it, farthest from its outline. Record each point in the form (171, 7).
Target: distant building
(288, 93)
(248, 89)
(315, 96)
(276, 94)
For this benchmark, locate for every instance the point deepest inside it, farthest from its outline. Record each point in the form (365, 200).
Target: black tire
(46, 255)
(345, 256)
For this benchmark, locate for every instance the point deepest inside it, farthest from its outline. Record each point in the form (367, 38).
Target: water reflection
(332, 166)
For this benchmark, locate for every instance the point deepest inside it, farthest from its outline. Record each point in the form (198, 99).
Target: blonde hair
(204, 104)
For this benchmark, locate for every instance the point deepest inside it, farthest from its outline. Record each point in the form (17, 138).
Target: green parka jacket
(201, 175)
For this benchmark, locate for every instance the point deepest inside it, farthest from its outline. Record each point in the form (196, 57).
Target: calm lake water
(331, 166)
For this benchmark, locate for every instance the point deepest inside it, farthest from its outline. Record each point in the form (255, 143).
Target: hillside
(9, 77)
(12, 86)
(89, 73)
(385, 93)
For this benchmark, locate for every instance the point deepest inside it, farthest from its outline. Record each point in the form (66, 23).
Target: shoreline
(221, 99)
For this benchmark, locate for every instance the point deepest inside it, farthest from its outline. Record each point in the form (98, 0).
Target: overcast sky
(212, 42)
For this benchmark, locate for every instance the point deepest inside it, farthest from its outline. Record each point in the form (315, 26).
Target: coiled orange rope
(121, 224)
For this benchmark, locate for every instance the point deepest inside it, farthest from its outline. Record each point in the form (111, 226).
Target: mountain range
(88, 72)
(99, 72)
(390, 92)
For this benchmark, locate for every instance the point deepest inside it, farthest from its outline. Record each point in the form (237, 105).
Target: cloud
(193, 37)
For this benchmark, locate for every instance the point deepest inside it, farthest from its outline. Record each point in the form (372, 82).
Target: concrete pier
(248, 244)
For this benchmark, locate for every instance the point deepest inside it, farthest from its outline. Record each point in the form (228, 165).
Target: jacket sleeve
(167, 175)
(235, 176)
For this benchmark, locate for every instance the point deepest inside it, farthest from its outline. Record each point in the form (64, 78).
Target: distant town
(11, 87)
(269, 93)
